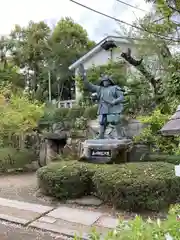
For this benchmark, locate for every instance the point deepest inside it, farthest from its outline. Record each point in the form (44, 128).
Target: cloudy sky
(21, 12)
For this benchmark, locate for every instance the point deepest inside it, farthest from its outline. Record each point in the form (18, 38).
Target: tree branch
(138, 64)
(173, 8)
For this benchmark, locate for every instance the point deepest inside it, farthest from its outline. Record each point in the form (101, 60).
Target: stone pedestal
(105, 150)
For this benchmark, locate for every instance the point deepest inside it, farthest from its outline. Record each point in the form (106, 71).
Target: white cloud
(21, 12)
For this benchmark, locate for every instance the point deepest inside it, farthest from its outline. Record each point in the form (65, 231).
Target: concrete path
(63, 220)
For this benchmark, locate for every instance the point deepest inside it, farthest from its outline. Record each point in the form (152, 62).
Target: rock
(86, 201)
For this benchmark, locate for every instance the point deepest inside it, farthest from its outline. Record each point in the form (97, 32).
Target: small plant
(139, 229)
(81, 123)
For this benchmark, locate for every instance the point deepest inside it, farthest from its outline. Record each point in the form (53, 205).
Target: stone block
(80, 216)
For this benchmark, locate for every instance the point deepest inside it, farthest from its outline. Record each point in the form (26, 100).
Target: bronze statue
(110, 100)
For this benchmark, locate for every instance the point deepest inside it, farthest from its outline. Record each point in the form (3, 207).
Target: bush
(174, 159)
(91, 112)
(11, 158)
(75, 112)
(64, 180)
(60, 114)
(152, 137)
(133, 186)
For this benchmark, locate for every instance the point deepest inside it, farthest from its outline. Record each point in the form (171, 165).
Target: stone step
(74, 221)
(64, 220)
(21, 212)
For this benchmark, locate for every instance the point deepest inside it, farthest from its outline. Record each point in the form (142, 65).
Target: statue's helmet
(106, 78)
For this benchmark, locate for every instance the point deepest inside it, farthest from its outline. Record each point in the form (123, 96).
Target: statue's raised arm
(89, 86)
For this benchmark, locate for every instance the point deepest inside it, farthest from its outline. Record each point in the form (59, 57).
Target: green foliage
(76, 116)
(60, 114)
(174, 159)
(81, 123)
(18, 114)
(150, 135)
(91, 112)
(156, 119)
(37, 51)
(142, 229)
(64, 180)
(137, 185)
(133, 186)
(11, 158)
(75, 112)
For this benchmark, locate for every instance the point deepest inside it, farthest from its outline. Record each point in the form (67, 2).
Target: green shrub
(64, 180)
(11, 158)
(75, 112)
(133, 186)
(60, 114)
(91, 112)
(174, 159)
(152, 137)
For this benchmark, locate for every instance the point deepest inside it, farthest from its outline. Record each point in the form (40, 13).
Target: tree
(8, 70)
(40, 51)
(68, 42)
(28, 47)
(18, 114)
(156, 39)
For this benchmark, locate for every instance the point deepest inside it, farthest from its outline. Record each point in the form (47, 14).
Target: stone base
(104, 150)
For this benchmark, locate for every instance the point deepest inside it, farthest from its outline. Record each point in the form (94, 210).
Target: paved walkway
(63, 220)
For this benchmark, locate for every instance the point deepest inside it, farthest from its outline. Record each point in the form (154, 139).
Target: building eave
(97, 48)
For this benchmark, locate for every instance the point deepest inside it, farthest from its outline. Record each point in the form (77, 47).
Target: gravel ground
(15, 232)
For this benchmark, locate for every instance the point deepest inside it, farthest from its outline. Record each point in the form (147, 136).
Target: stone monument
(110, 106)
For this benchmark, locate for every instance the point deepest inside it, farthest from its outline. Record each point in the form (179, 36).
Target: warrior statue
(110, 100)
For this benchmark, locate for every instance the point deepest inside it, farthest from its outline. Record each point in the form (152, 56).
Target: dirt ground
(22, 187)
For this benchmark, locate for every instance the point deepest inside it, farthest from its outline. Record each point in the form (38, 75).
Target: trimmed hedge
(64, 180)
(150, 186)
(174, 159)
(132, 186)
